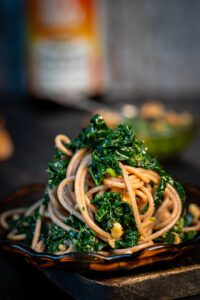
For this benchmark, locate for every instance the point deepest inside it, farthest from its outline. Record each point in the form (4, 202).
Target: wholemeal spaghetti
(132, 206)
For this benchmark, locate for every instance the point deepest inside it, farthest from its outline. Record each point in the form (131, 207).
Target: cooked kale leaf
(56, 237)
(92, 135)
(130, 239)
(109, 146)
(45, 199)
(74, 222)
(85, 240)
(119, 145)
(189, 235)
(57, 168)
(111, 209)
(24, 225)
(122, 145)
(169, 237)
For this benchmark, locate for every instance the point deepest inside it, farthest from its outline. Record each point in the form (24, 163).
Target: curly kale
(85, 240)
(111, 209)
(188, 218)
(109, 146)
(130, 239)
(117, 146)
(121, 144)
(26, 224)
(57, 168)
(56, 237)
(162, 185)
(91, 136)
(45, 199)
(169, 237)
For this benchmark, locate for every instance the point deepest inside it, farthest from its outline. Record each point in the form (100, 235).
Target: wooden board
(165, 280)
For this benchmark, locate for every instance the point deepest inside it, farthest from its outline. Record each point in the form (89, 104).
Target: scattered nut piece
(117, 230)
(62, 247)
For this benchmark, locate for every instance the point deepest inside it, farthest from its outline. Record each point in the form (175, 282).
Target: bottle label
(64, 47)
(61, 66)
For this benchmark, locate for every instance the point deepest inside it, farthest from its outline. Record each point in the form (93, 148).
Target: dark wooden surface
(166, 280)
(33, 129)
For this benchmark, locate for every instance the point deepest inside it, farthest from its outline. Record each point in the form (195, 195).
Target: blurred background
(135, 61)
(144, 48)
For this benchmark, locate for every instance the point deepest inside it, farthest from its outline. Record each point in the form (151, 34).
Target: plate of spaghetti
(107, 205)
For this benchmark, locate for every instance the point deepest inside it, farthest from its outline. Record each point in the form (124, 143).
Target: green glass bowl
(167, 144)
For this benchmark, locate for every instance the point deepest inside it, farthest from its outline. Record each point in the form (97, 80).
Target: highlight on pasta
(105, 194)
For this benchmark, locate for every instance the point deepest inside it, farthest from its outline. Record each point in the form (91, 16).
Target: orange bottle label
(64, 47)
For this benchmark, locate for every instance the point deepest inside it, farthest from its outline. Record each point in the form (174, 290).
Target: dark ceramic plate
(90, 261)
